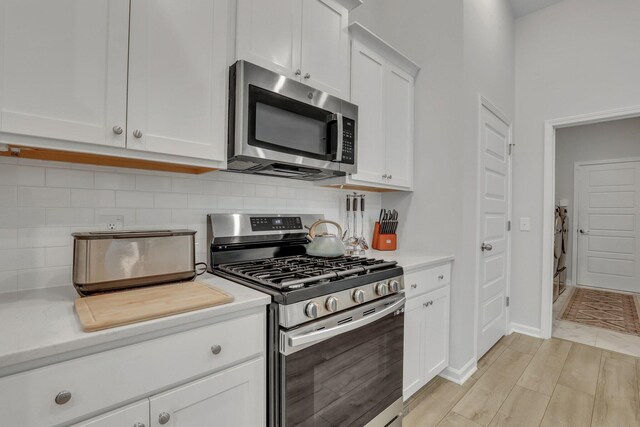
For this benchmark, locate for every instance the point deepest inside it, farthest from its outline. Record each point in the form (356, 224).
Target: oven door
(345, 370)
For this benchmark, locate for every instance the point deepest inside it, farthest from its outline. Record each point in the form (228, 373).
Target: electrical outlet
(112, 222)
(525, 224)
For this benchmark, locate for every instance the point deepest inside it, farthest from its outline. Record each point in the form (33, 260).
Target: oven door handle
(323, 334)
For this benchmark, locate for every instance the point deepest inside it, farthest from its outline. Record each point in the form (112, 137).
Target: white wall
(576, 57)
(616, 139)
(464, 48)
(42, 203)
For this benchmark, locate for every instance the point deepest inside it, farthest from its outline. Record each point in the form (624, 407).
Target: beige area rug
(603, 309)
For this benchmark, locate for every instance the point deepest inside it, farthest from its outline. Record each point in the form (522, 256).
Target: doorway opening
(591, 240)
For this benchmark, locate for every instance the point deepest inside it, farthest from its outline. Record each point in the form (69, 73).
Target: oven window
(286, 125)
(346, 380)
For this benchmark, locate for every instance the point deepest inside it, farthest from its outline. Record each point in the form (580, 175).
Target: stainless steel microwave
(281, 127)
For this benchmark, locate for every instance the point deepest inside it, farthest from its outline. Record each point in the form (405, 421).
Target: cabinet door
(414, 337)
(234, 397)
(399, 127)
(436, 338)
(178, 78)
(325, 46)
(268, 34)
(367, 91)
(135, 415)
(63, 69)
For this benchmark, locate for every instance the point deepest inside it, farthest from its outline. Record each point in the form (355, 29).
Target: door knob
(164, 418)
(298, 72)
(307, 76)
(117, 130)
(486, 247)
(137, 133)
(583, 231)
(63, 397)
(216, 349)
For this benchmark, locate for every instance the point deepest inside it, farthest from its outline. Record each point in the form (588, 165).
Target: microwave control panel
(275, 223)
(348, 140)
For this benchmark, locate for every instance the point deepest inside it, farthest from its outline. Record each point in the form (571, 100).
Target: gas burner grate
(299, 271)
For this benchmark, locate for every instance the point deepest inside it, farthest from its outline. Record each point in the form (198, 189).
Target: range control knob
(358, 296)
(332, 304)
(394, 286)
(311, 310)
(382, 289)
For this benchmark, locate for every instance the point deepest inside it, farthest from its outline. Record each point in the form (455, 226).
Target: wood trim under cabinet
(100, 160)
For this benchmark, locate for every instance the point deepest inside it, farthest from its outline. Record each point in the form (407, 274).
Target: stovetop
(295, 272)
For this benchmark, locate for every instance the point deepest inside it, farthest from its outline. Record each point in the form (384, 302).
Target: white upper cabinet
(63, 69)
(306, 40)
(382, 85)
(177, 77)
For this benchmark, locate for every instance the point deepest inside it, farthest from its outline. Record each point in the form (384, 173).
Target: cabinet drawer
(422, 281)
(104, 380)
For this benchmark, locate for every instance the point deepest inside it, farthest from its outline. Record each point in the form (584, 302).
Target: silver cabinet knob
(164, 418)
(311, 310)
(415, 285)
(332, 304)
(117, 130)
(440, 277)
(216, 349)
(390, 176)
(307, 76)
(486, 247)
(428, 303)
(63, 397)
(358, 296)
(384, 176)
(298, 72)
(394, 286)
(138, 425)
(382, 289)
(137, 133)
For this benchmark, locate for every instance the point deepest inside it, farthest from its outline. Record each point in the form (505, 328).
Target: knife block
(383, 242)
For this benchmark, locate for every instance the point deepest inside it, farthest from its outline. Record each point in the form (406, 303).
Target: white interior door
(494, 258)
(607, 228)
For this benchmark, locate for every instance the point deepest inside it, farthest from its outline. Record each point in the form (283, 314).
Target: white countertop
(412, 260)
(41, 324)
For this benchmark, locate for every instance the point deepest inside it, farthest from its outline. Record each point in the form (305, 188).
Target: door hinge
(508, 225)
(511, 148)
(507, 301)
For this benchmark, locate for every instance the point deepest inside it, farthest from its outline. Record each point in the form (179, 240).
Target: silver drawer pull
(415, 285)
(440, 277)
(164, 418)
(216, 349)
(63, 397)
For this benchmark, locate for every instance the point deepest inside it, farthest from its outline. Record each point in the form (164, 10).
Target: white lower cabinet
(135, 415)
(426, 336)
(230, 398)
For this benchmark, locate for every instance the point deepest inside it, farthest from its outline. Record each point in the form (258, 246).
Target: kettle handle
(312, 230)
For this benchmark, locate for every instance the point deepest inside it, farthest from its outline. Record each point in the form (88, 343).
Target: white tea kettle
(325, 244)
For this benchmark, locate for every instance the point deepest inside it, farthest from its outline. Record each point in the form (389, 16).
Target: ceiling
(523, 7)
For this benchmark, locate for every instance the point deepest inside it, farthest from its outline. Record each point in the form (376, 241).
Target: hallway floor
(589, 335)
(524, 381)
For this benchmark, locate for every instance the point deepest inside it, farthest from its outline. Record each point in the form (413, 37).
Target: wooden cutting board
(105, 311)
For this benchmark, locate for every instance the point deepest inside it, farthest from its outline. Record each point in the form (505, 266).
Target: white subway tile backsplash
(8, 280)
(43, 237)
(69, 178)
(93, 198)
(134, 199)
(8, 238)
(44, 197)
(8, 195)
(42, 203)
(69, 216)
(153, 183)
(31, 176)
(115, 181)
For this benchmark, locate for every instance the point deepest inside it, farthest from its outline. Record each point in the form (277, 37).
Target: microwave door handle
(323, 334)
(337, 117)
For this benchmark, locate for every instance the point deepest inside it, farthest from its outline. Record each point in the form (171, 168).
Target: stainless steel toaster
(108, 261)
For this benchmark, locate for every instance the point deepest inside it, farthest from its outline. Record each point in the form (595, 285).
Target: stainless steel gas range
(335, 326)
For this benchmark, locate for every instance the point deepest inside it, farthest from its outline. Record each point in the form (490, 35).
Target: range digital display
(275, 223)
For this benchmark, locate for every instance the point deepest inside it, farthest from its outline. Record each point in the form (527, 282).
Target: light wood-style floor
(524, 381)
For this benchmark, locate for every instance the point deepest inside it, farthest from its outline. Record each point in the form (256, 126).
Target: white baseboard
(460, 376)
(524, 329)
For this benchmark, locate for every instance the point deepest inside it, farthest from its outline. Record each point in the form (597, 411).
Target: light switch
(525, 224)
